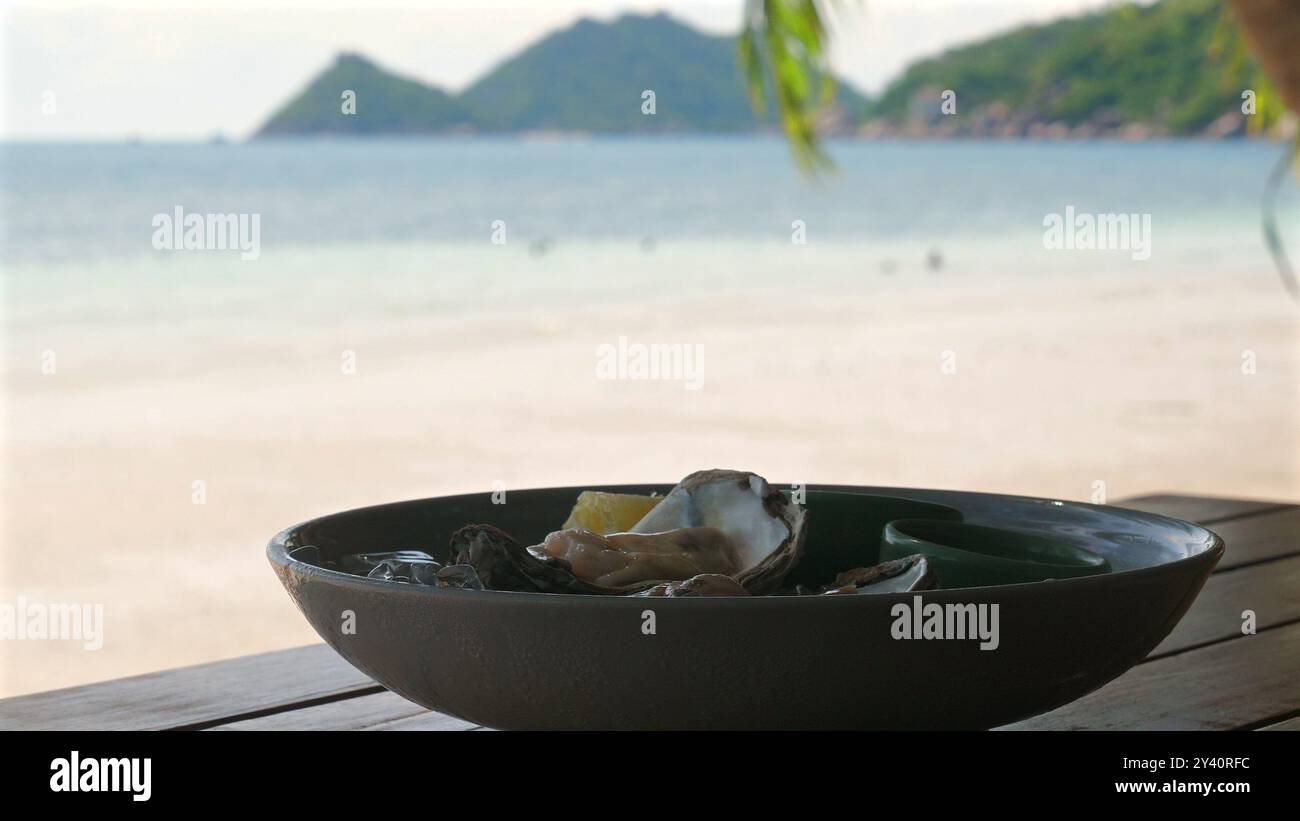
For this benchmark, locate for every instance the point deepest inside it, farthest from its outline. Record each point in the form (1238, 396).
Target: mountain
(590, 77)
(1129, 69)
(587, 77)
(385, 104)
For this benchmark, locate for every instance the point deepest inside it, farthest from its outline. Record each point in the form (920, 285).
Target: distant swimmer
(934, 261)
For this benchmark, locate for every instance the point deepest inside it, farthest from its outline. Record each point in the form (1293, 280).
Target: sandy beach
(1041, 385)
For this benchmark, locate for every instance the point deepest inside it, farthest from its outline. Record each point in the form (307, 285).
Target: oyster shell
(705, 584)
(714, 522)
(502, 562)
(766, 528)
(898, 576)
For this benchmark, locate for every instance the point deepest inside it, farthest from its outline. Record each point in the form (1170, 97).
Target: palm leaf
(782, 53)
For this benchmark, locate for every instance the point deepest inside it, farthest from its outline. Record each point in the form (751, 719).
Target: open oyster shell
(898, 576)
(714, 522)
(766, 527)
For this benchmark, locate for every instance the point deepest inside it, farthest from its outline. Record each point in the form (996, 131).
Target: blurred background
(457, 206)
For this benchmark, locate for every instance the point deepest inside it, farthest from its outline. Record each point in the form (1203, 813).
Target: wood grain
(348, 714)
(1271, 590)
(1259, 538)
(427, 721)
(1236, 684)
(1199, 509)
(189, 695)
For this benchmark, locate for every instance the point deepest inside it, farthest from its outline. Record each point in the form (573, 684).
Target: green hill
(1133, 69)
(385, 104)
(1127, 65)
(590, 77)
(587, 77)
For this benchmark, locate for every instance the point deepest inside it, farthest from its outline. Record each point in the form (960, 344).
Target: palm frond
(782, 51)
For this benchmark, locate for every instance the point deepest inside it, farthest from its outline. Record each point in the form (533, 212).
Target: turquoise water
(74, 203)
(367, 233)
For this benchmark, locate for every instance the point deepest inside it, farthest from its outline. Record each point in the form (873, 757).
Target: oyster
(766, 528)
(898, 576)
(503, 563)
(714, 522)
(705, 584)
(623, 559)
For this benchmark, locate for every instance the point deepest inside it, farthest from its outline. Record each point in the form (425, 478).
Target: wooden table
(1206, 675)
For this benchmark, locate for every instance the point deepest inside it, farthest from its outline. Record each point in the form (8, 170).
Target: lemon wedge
(606, 513)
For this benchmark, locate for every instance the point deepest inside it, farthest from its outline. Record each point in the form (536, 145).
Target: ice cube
(362, 564)
(459, 575)
(412, 570)
(308, 553)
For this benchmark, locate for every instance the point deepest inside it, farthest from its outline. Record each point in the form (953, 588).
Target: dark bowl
(545, 661)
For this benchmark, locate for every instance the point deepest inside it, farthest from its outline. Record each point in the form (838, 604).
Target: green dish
(847, 527)
(966, 555)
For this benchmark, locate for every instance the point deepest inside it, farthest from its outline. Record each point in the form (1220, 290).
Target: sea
(464, 225)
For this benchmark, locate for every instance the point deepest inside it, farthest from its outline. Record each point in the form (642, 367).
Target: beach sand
(1059, 383)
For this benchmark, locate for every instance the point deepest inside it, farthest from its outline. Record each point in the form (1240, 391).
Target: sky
(190, 69)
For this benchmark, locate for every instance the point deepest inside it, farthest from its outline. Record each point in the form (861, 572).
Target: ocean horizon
(69, 202)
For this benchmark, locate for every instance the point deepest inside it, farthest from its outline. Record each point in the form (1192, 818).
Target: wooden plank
(346, 714)
(189, 696)
(1271, 590)
(1290, 725)
(1199, 509)
(427, 721)
(1236, 684)
(1259, 538)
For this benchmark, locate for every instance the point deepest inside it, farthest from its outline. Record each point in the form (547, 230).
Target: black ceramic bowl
(531, 660)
